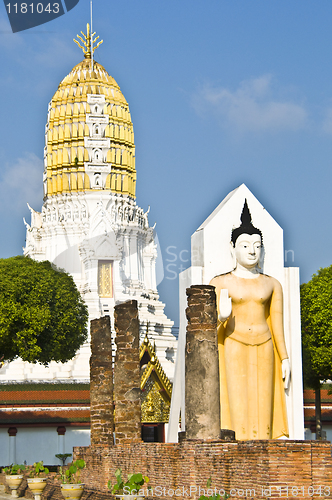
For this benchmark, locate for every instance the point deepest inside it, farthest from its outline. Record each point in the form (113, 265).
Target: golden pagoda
(89, 132)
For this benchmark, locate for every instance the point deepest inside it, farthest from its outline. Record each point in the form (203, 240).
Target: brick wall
(127, 378)
(202, 365)
(101, 383)
(264, 468)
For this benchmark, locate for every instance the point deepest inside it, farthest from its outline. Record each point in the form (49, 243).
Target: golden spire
(88, 42)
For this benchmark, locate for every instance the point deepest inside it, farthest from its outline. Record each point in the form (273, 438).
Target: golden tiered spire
(88, 42)
(69, 131)
(89, 133)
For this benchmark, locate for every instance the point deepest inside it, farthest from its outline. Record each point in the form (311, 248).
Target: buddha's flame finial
(88, 42)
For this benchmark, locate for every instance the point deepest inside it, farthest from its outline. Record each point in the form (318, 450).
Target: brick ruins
(234, 466)
(127, 381)
(243, 469)
(101, 383)
(258, 469)
(202, 365)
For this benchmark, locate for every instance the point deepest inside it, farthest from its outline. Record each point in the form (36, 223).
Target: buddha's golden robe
(251, 347)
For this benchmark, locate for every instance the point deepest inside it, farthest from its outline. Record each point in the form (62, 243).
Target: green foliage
(63, 457)
(73, 473)
(132, 486)
(39, 470)
(214, 495)
(316, 319)
(13, 469)
(42, 315)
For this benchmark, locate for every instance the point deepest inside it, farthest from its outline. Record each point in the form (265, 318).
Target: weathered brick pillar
(127, 381)
(101, 383)
(202, 365)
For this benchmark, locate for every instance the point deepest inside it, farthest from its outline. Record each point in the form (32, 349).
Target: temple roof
(44, 403)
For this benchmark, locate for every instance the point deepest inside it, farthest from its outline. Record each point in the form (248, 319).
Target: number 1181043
(32, 8)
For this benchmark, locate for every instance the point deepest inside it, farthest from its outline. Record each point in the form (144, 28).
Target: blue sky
(220, 92)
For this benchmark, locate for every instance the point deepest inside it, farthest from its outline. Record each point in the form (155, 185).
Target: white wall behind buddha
(42, 443)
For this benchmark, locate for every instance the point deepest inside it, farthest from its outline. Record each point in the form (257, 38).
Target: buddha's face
(248, 250)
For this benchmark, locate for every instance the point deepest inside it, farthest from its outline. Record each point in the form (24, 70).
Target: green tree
(42, 314)
(316, 319)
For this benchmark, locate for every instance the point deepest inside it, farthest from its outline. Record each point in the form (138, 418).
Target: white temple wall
(133, 256)
(76, 437)
(26, 449)
(75, 231)
(5, 458)
(22, 447)
(118, 284)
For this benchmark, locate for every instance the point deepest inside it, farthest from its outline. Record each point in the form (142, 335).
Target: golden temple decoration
(154, 365)
(105, 278)
(89, 106)
(154, 409)
(155, 386)
(88, 42)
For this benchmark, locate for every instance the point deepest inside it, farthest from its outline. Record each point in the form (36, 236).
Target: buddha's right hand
(225, 305)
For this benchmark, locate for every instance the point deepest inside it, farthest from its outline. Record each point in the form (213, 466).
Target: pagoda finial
(88, 42)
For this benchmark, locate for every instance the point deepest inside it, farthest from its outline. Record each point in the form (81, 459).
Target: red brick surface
(202, 365)
(127, 379)
(243, 469)
(101, 382)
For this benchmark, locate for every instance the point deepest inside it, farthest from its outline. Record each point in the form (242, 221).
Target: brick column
(127, 381)
(202, 396)
(101, 383)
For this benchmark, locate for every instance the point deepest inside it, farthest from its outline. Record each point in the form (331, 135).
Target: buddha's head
(247, 242)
